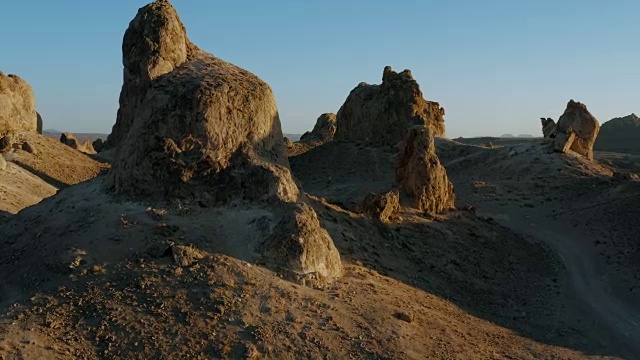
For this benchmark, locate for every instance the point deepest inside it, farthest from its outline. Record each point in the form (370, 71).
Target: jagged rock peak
(379, 115)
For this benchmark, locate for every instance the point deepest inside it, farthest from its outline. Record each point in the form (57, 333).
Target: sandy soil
(574, 206)
(32, 177)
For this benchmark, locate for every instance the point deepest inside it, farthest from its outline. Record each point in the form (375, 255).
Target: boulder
(322, 132)
(548, 127)
(98, 145)
(302, 249)
(28, 147)
(379, 115)
(194, 128)
(577, 130)
(381, 206)
(3, 164)
(421, 175)
(17, 105)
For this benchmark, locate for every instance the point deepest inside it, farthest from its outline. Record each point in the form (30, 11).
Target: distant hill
(620, 135)
(293, 137)
(525, 136)
(82, 137)
(507, 136)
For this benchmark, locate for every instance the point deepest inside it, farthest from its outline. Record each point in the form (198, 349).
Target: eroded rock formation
(196, 128)
(421, 175)
(322, 132)
(70, 140)
(548, 127)
(577, 130)
(299, 246)
(380, 114)
(38, 123)
(98, 145)
(154, 44)
(17, 105)
(381, 206)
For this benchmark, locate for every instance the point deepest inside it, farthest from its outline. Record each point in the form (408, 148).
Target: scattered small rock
(404, 316)
(186, 255)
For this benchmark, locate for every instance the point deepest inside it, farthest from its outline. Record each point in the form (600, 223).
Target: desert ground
(544, 267)
(198, 231)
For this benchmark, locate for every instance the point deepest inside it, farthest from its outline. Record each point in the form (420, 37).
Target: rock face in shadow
(548, 127)
(98, 145)
(17, 105)
(196, 128)
(620, 135)
(421, 175)
(39, 123)
(380, 114)
(70, 140)
(577, 130)
(322, 132)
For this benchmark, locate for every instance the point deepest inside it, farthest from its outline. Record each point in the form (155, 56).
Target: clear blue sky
(495, 65)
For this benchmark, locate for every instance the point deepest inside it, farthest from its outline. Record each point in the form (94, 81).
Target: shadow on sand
(480, 266)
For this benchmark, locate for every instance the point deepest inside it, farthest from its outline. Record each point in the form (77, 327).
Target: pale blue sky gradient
(496, 66)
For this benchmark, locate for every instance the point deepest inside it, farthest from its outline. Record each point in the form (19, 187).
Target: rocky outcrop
(548, 127)
(208, 132)
(28, 147)
(3, 164)
(38, 123)
(620, 135)
(421, 175)
(577, 130)
(7, 141)
(155, 44)
(98, 145)
(322, 132)
(302, 249)
(17, 105)
(380, 114)
(70, 140)
(381, 206)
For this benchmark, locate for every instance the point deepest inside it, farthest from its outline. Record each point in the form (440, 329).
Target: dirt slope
(510, 282)
(573, 205)
(20, 188)
(101, 285)
(31, 177)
